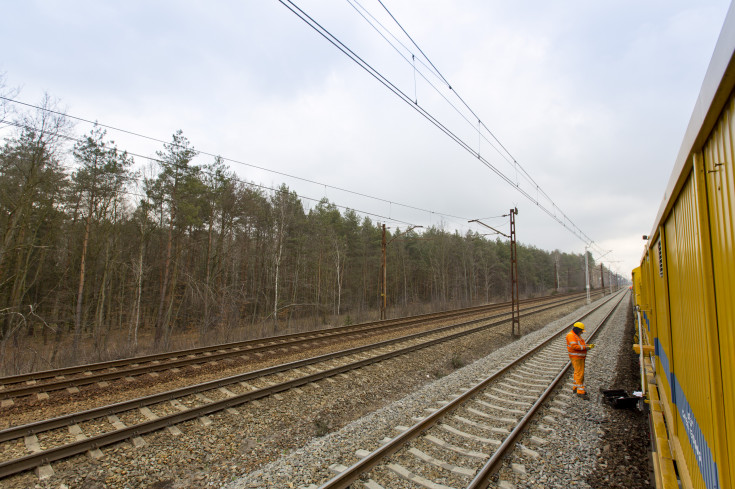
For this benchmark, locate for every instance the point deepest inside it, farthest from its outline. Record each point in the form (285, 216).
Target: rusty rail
(234, 349)
(34, 460)
(344, 479)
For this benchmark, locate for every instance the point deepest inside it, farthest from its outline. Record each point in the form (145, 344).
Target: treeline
(90, 246)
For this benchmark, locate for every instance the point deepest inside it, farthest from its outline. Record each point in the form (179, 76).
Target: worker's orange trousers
(578, 364)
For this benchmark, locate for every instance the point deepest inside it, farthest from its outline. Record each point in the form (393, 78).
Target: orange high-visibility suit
(577, 349)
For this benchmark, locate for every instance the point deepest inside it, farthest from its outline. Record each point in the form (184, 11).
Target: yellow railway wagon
(684, 291)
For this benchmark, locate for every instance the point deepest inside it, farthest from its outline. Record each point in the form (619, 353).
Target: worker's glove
(590, 346)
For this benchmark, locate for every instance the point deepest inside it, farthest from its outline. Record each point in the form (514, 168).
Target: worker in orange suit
(577, 349)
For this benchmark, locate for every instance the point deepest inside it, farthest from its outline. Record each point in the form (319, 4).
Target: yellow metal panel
(660, 319)
(637, 282)
(691, 372)
(719, 169)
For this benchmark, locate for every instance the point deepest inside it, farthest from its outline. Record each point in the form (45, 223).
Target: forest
(103, 256)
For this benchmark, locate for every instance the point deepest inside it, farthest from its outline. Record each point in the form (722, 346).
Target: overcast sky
(592, 99)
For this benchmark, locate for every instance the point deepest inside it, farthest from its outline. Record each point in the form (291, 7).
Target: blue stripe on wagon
(700, 447)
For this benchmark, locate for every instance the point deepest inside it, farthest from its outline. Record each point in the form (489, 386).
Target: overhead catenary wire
(516, 164)
(364, 13)
(301, 14)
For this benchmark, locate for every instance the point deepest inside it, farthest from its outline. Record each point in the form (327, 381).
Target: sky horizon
(590, 100)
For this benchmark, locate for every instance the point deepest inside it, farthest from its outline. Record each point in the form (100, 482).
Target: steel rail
(223, 350)
(482, 479)
(53, 454)
(15, 392)
(345, 478)
(62, 421)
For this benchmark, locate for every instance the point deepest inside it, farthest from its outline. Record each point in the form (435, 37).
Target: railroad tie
(500, 408)
(483, 414)
(227, 392)
(559, 403)
(408, 475)
(205, 420)
(118, 425)
(524, 380)
(474, 424)
(76, 430)
(462, 451)
(44, 471)
(455, 469)
(538, 441)
(469, 436)
(248, 386)
(148, 414)
(511, 388)
(531, 399)
(337, 468)
(174, 430)
(527, 452)
(31, 442)
(371, 484)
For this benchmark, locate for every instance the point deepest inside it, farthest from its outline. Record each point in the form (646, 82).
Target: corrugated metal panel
(720, 179)
(692, 372)
(713, 97)
(637, 284)
(662, 334)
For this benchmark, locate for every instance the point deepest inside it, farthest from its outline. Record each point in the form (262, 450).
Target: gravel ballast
(592, 446)
(290, 439)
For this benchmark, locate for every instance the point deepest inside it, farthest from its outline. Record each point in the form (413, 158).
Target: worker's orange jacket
(576, 345)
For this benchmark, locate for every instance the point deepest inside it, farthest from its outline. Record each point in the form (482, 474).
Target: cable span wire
(150, 138)
(290, 5)
(234, 178)
(438, 92)
(436, 71)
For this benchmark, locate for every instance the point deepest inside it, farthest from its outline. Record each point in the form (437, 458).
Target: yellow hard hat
(579, 325)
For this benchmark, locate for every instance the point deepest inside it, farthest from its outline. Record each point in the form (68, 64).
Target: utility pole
(586, 275)
(516, 321)
(514, 305)
(602, 279)
(383, 277)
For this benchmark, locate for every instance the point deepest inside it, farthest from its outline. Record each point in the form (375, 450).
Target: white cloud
(591, 98)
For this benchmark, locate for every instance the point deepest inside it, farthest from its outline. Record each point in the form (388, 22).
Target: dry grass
(47, 350)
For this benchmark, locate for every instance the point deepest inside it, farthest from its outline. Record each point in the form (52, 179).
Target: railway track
(87, 431)
(462, 443)
(74, 378)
